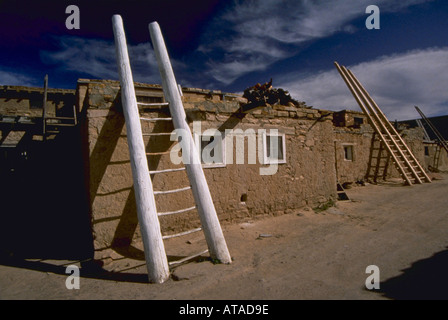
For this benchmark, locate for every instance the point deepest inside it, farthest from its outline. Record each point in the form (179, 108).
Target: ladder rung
(157, 134)
(156, 104)
(171, 263)
(157, 153)
(155, 119)
(177, 211)
(166, 170)
(180, 234)
(172, 191)
(59, 118)
(61, 124)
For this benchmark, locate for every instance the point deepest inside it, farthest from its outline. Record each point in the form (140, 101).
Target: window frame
(198, 138)
(267, 160)
(352, 146)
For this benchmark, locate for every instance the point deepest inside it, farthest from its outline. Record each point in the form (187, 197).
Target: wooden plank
(172, 263)
(153, 104)
(44, 106)
(156, 119)
(172, 191)
(180, 234)
(166, 170)
(166, 213)
(157, 134)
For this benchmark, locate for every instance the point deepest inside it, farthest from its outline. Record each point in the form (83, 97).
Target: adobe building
(78, 183)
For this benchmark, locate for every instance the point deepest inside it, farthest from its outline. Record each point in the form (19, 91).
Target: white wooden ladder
(168, 171)
(155, 255)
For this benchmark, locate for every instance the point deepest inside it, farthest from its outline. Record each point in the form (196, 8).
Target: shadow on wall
(108, 164)
(425, 280)
(44, 209)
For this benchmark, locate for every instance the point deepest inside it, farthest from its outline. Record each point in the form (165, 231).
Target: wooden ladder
(53, 125)
(407, 165)
(378, 160)
(168, 171)
(441, 143)
(342, 195)
(148, 217)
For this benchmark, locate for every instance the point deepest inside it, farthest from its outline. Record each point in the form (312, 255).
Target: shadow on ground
(89, 269)
(426, 279)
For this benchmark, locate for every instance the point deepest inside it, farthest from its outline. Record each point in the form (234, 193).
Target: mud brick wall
(28, 101)
(348, 132)
(430, 156)
(239, 191)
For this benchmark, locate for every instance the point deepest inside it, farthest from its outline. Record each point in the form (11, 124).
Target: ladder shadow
(127, 225)
(88, 269)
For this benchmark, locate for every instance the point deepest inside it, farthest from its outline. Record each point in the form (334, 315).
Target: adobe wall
(41, 180)
(347, 131)
(28, 101)
(239, 191)
(430, 158)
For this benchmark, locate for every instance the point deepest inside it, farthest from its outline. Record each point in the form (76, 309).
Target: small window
(274, 148)
(348, 153)
(212, 150)
(357, 122)
(426, 151)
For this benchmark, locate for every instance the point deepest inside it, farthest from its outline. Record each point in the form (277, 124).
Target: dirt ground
(300, 255)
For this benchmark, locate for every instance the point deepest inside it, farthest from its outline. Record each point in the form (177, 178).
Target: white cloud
(397, 83)
(97, 59)
(16, 79)
(256, 34)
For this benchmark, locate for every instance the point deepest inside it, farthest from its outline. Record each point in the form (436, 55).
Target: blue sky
(231, 45)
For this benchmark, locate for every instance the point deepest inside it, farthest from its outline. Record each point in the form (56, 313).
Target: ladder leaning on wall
(54, 124)
(407, 165)
(155, 255)
(440, 140)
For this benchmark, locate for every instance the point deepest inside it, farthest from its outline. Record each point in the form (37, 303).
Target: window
(426, 151)
(357, 122)
(212, 150)
(274, 148)
(348, 152)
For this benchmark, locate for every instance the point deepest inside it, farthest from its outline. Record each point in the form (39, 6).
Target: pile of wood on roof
(265, 94)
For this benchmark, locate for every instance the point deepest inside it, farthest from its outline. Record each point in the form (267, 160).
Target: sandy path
(303, 255)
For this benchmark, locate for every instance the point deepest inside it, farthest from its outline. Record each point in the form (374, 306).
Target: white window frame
(267, 160)
(198, 138)
(352, 146)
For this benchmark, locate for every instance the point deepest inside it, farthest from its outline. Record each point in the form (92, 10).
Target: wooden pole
(156, 260)
(206, 209)
(44, 108)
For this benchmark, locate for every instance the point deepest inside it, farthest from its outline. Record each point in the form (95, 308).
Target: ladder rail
(372, 122)
(425, 133)
(206, 209)
(390, 128)
(433, 128)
